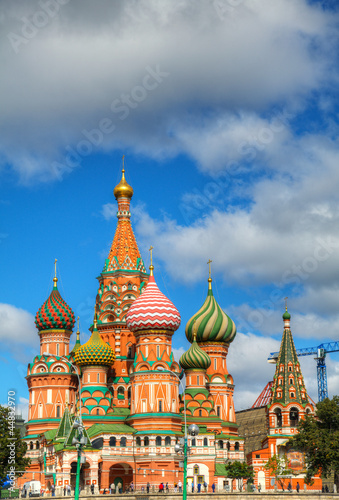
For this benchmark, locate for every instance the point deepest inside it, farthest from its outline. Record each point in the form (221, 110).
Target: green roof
(32, 436)
(154, 431)
(220, 470)
(49, 435)
(97, 429)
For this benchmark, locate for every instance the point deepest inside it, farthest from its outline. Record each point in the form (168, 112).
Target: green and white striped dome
(211, 323)
(195, 358)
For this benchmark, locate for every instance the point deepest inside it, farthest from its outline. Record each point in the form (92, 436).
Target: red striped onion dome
(212, 324)
(54, 313)
(152, 309)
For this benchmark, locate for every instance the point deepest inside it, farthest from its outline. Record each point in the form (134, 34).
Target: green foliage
(318, 438)
(278, 467)
(239, 470)
(12, 449)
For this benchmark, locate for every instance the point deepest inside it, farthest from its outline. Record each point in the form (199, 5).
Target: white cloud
(17, 331)
(83, 59)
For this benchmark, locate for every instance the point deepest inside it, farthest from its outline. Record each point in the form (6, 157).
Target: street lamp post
(80, 440)
(193, 431)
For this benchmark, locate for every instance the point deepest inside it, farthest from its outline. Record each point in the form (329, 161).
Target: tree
(12, 449)
(318, 438)
(278, 467)
(239, 470)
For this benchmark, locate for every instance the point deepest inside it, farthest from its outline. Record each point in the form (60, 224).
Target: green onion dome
(211, 323)
(286, 315)
(195, 357)
(95, 351)
(54, 313)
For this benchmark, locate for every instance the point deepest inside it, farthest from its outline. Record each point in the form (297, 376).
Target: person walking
(297, 487)
(199, 487)
(92, 488)
(120, 488)
(147, 487)
(213, 487)
(180, 486)
(167, 488)
(289, 486)
(53, 490)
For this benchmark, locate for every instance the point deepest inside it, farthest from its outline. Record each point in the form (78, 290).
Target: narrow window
(160, 406)
(58, 412)
(57, 349)
(98, 377)
(218, 411)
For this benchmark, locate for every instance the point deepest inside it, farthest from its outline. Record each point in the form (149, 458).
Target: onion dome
(195, 357)
(152, 309)
(95, 351)
(123, 189)
(286, 314)
(54, 312)
(211, 323)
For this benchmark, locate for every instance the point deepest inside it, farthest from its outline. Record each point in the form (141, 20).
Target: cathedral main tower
(121, 281)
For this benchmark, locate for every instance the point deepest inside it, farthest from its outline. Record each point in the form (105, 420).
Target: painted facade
(132, 403)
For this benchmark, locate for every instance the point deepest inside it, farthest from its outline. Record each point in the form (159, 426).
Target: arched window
(121, 393)
(146, 441)
(205, 442)
(129, 393)
(220, 444)
(31, 445)
(112, 441)
(97, 411)
(129, 353)
(294, 417)
(200, 413)
(193, 442)
(196, 469)
(228, 446)
(160, 406)
(277, 412)
(138, 441)
(236, 446)
(167, 441)
(123, 442)
(158, 441)
(58, 412)
(37, 445)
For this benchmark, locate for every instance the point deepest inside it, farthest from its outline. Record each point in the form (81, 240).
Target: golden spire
(209, 275)
(78, 329)
(285, 299)
(95, 320)
(151, 267)
(123, 188)
(55, 279)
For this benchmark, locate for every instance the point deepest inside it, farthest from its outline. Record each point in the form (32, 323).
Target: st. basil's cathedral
(131, 403)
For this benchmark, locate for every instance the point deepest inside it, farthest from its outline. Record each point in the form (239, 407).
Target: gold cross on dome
(150, 250)
(123, 163)
(56, 260)
(285, 299)
(209, 267)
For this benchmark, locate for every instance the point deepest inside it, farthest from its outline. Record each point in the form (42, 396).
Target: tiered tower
(51, 382)
(214, 333)
(289, 402)
(121, 281)
(153, 318)
(95, 357)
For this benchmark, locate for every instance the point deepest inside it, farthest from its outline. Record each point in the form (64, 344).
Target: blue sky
(227, 113)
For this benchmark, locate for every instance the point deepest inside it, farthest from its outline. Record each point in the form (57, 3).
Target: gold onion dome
(212, 324)
(95, 351)
(195, 358)
(123, 188)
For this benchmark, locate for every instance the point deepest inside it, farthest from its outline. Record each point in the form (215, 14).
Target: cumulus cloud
(17, 331)
(84, 65)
